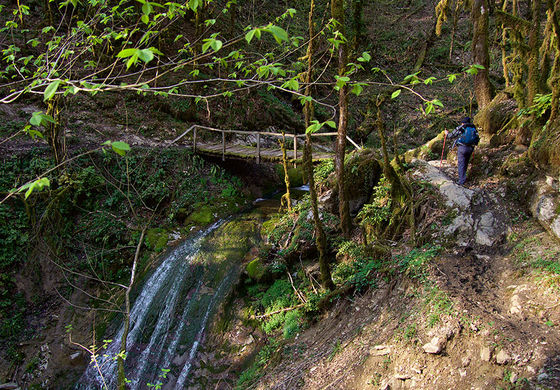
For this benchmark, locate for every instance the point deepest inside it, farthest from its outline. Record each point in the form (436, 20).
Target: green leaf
(250, 34)
(125, 53)
(341, 81)
(120, 147)
(330, 124)
(291, 84)
(396, 93)
(451, 78)
(51, 90)
(278, 32)
(357, 89)
(145, 55)
(365, 57)
(216, 45)
(36, 185)
(429, 80)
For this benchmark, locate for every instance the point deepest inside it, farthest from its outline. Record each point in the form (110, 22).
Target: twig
(299, 295)
(280, 311)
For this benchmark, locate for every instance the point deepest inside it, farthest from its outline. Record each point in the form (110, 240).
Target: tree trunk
(482, 86)
(533, 60)
(320, 237)
(337, 12)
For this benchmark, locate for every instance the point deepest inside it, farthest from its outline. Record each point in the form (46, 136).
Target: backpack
(470, 136)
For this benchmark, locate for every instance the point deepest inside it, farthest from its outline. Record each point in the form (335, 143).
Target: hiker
(468, 139)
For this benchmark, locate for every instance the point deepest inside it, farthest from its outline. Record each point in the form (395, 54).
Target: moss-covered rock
(256, 269)
(544, 150)
(363, 172)
(201, 216)
(295, 174)
(157, 239)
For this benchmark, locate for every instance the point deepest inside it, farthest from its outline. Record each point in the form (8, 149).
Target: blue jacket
(459, 130)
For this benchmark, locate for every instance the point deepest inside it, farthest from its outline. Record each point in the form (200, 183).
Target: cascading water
(167, 320)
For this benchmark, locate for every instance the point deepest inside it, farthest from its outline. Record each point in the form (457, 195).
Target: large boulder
(545, 205)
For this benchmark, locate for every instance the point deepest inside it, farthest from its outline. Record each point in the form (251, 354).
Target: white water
(161, 320)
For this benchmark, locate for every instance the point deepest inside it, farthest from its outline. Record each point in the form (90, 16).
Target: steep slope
(481, 314)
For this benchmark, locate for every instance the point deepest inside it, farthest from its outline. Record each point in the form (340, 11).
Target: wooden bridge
(254, 148)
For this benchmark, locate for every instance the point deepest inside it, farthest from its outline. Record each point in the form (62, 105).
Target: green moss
(157, 239)
(202, 216)
(255, 269)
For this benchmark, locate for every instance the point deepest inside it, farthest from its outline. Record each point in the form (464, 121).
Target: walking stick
(442, 150)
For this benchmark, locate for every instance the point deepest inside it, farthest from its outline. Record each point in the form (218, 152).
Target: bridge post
(194, 140)
(223, 146)
(295, 149)
(258, 147)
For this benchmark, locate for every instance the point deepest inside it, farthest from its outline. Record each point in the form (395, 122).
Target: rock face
(545, 206)
(475, 221)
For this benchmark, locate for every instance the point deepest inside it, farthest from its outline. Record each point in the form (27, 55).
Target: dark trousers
(464, 153)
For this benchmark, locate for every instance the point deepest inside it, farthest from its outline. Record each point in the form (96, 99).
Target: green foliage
(415, 263)
(322, 171)
(379, 210)
(359, 270)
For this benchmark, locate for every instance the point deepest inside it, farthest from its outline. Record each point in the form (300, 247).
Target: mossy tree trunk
(286, 198)
(337, 13)
(55, 131)
(320, 237)
(482, 87)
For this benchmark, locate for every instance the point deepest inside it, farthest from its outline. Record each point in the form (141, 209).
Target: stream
(174, 307)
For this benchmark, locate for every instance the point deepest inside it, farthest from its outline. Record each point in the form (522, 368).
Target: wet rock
(436, 345)
(502, 357)
(485, 354)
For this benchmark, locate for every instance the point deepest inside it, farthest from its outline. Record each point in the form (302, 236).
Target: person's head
(466, 120)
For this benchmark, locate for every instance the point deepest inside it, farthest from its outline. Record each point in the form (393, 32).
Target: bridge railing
(195, 129)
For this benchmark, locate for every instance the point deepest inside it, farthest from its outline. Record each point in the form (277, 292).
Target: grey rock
(502, 357)
(486, 230)
(515, 304)
(435, 346)
(485, 354)
(380, 350)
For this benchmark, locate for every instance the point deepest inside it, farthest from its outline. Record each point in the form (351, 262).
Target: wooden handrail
(258, 134)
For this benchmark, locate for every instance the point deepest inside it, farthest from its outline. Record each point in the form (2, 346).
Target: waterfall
(167, 321)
